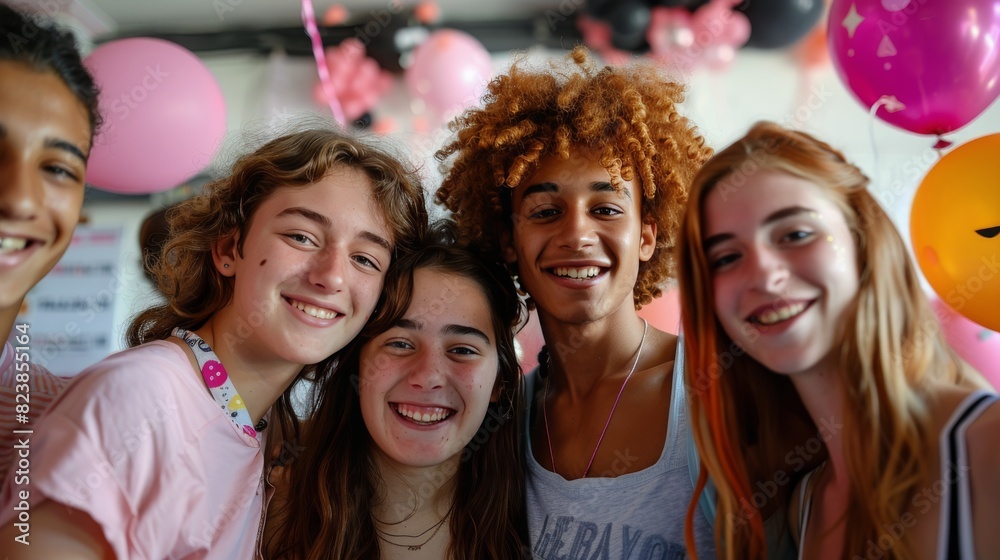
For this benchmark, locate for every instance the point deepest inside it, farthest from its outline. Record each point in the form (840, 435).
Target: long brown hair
(627, 115)
(746, 419)
(334, 483)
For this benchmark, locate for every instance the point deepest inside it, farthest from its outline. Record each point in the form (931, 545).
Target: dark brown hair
(334, 485)
(45, 47)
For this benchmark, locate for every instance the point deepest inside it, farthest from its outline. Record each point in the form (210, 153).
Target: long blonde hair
(747, 419)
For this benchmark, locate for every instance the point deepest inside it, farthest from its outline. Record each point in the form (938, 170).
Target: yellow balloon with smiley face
(955, 229)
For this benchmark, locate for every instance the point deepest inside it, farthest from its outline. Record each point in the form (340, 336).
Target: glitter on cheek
(839, 251)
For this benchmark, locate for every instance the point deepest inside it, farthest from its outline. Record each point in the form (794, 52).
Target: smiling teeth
(585, 272)
(10, 244)
(778, 315)
(423, 414)
(312, 310)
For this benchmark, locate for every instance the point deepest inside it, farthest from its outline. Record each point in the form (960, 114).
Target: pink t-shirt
(139, 444)
(36, 394)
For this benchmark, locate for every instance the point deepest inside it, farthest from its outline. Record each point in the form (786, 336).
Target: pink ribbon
(309, 20)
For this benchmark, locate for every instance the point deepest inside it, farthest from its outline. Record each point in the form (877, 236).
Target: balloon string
(892, 105)
(309, 20)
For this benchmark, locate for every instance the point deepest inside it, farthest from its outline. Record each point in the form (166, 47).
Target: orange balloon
(955, 229)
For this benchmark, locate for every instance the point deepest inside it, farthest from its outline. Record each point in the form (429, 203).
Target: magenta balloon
(450, 71)
(164, 116)
(940, 58)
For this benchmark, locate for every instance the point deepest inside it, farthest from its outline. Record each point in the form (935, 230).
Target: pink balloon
(164, 116)
(682, 40)
(597, 36)
(450, 71)
(671, 37)
(357, 79)
(975, 344)
(722, 23)
(939, 58)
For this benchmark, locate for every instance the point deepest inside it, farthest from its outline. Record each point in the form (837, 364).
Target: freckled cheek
(477, 391)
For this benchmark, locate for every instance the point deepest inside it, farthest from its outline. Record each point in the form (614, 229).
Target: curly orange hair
(628, 115)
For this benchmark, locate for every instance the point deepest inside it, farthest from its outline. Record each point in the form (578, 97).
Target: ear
(647, 241)
(225, 255)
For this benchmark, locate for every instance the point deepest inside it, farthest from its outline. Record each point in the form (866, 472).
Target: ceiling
(105, 18)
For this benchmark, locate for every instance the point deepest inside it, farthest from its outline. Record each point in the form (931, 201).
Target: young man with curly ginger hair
(577, 177)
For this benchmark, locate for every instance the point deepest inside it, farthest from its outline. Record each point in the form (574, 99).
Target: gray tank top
(635, 516)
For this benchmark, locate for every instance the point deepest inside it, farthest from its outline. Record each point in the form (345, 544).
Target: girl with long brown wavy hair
(156, 452)
(819, 381)
(412, 447)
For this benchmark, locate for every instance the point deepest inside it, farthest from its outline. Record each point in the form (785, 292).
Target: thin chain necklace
(545, 398)
(413, 547)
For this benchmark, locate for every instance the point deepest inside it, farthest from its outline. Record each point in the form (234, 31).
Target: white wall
(759, 85)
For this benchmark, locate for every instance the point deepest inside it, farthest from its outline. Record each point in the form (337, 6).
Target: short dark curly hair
(627, 114)
(44, 46)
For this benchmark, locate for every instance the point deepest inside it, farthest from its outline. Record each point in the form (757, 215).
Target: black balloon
(364, 121)
(599, 8)
(628, 21)
(780, 23)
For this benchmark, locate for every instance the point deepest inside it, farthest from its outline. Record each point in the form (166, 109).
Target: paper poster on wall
(70, 313)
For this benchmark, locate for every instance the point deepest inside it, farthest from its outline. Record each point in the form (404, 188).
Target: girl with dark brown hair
(413, 447)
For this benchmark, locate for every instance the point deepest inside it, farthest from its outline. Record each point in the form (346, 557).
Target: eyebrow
(774, 217)
(550, 187)
(452, 329)
(325, 222)
(57, 143)
(66, 146)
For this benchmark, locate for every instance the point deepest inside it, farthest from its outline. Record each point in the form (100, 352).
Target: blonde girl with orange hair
(818, 379)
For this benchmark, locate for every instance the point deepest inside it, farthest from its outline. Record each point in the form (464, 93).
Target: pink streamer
(309, 20)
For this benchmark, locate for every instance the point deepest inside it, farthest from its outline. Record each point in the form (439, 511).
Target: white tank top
(635, 516)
